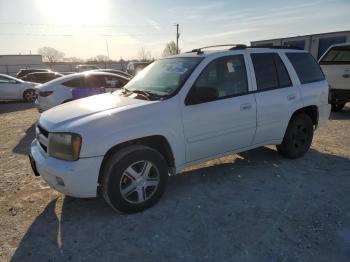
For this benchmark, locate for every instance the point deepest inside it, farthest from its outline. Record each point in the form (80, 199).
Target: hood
(93, 107)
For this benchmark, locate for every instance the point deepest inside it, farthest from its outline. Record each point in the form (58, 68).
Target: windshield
(163, 77)
(336, 55)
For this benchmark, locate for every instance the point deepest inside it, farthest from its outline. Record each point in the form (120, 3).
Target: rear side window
(78, 82)
(337, 55)
(306, 67)
(95, 81)
(270, 71)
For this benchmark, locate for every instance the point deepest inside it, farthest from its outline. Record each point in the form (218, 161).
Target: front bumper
(73, 178)
(340, 95)
(41, 108)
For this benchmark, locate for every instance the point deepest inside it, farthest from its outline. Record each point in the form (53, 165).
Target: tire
(337, 107)
(298, 137)
(29, 95)
(134, 178)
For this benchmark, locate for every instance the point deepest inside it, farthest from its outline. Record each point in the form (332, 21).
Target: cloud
(224, 34)
(153, 23)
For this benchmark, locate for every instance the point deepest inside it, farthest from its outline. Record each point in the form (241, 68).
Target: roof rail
(276, 47)
(233, 46)
(242, 46)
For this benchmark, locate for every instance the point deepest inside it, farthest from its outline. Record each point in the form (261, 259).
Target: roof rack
(242, 46)
(276, 47)
(233, 46)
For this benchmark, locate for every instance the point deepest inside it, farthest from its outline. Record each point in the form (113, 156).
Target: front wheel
(29, 95)
(298, 137)
(134, 178)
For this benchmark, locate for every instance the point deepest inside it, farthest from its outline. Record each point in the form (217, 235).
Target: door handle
(246, 106)
(346, 76)
(291, 97)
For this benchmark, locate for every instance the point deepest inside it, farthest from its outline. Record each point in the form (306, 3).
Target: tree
(50, 54)
(144, 55)
(72, 59)
(170, 49)
(121, 62)
(102, 58)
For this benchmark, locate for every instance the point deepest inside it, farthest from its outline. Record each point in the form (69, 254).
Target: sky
(80, 28)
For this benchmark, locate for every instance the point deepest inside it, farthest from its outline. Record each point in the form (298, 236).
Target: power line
(87, 35)
(72, 25)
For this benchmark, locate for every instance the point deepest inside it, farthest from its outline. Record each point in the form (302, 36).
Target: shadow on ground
(261, 207)
(341, 115)
(23, 146)
(8, 107)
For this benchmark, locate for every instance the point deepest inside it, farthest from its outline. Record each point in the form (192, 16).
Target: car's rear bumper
(74, 178)
(340, 95)
(41, 106)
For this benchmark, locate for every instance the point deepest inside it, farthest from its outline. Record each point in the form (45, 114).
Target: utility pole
(177, 38)
(107, 53)
(107, 49)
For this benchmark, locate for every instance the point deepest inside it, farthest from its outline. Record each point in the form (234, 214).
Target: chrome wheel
(139, 182)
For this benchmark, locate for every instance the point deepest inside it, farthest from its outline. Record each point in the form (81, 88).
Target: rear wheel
(29, 95)
(298, 137)
(134, 178)
(337, 107)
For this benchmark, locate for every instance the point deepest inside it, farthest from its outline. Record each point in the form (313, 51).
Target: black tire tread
(285, 148)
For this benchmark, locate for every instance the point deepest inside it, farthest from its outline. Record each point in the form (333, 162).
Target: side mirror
(12, 81)
(202, 94)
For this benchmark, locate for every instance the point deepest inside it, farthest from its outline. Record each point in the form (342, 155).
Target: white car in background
(335, 63)
(82, 68)
(12, 88)
(75, 86)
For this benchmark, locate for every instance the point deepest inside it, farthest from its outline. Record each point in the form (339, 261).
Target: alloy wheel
(139, 182)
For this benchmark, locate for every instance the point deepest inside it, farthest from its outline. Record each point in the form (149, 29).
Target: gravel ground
(255, 206)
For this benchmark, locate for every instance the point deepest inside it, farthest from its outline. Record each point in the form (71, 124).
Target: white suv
(335, 63)
(178, 111)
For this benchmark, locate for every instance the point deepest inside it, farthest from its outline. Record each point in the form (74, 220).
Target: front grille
(43, 131)
(43, 146)
(42, 136)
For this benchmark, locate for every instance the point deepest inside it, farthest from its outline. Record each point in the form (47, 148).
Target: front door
(227, 120)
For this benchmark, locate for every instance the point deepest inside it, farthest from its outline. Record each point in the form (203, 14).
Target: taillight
(45, 93)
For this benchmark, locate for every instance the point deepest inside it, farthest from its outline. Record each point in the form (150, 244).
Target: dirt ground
(255, 206)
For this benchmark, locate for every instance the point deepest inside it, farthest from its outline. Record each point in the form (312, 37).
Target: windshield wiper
(124, 90)
(147, 94)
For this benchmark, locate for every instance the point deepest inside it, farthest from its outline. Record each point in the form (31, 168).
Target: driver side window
(225, 77)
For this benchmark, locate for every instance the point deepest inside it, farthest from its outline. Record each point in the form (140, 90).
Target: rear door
(336, 66)
(276, 95)
(88, 86)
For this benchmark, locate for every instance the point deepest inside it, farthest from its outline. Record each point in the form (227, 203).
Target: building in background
(11, 64)
(316, 44)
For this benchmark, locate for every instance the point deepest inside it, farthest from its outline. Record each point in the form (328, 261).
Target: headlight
(64, 146)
